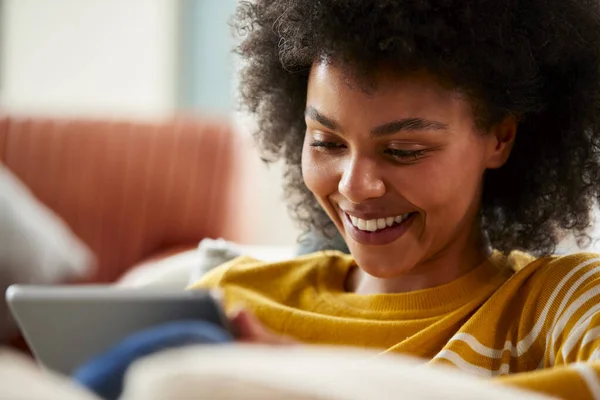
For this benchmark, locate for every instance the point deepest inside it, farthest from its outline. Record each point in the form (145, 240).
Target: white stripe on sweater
(467, 366)
(524, 344)
(565, 301)
(595, 356)
(590, 336)
(566, 317)
(581, 327)
(463, 364)
(480, 348)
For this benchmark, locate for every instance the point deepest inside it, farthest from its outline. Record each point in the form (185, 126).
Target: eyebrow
(328, 123)
(409, 124)
(405, 124)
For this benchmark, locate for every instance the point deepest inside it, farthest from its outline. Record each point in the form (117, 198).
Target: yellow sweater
(538, 328)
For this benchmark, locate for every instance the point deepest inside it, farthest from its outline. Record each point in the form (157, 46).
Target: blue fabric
(104, 374)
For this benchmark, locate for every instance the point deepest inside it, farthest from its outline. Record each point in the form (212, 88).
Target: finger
(250, 329)
(247, 326)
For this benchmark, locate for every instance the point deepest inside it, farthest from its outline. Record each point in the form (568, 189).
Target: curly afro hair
(535, 59)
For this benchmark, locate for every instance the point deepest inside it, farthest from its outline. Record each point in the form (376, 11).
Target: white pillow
(23, 379)
(212, 253)
(176, 272)
(169, 273)
(36, 246)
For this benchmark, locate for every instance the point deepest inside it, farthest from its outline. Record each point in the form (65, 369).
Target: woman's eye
(327, 145)
(406, 156)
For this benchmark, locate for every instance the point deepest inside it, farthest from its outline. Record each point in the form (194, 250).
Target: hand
(250, 330)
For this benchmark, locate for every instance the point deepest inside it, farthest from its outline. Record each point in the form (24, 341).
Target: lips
(375, 224)
(372, 234)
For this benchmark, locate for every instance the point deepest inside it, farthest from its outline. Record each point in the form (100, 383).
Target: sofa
(133, 191)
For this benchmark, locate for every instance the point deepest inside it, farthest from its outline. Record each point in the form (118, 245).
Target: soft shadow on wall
(208, 78)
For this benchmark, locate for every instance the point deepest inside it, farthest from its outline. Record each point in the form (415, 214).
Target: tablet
(65, 326)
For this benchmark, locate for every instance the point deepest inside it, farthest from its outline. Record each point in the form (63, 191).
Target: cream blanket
(266, 373)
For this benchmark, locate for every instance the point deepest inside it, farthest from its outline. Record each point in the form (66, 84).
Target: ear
(501, 140)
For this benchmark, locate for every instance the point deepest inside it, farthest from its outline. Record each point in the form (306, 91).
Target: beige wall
(88, 57)
(115, 59)
(271, 222)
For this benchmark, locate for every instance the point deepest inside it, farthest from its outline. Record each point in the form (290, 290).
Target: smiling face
(399, 169)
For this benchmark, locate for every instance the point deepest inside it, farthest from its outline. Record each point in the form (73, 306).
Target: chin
(382, 266)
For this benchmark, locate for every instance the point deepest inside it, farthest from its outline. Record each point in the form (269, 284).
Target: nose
(361, 180)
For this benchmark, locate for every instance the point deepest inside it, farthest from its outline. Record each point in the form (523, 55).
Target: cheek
(447, 184)
(320, 178)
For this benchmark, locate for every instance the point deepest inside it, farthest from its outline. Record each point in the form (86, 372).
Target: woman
(438, 138)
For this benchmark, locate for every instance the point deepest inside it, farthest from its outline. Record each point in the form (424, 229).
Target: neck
(445, 266)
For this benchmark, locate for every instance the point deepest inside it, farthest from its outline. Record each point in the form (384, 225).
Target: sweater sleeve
(570, 367)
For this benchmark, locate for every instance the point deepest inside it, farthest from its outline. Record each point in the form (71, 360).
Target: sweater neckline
(483, 279)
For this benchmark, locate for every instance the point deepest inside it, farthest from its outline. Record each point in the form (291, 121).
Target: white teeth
(372, 225)
(362, 224)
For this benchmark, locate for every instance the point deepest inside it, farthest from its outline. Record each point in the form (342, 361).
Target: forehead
(382, 96)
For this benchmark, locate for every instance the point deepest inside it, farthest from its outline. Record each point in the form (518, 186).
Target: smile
(373, 225)
(378, 231)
